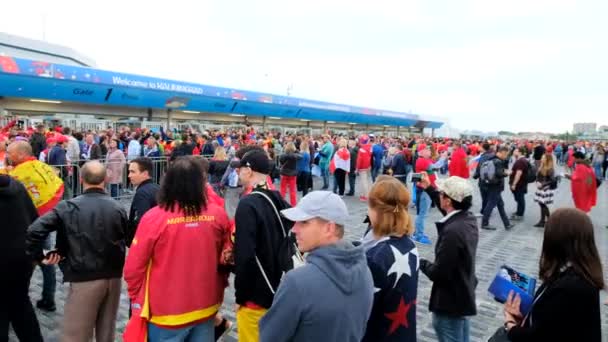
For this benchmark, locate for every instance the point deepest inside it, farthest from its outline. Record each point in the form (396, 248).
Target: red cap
(51, 140)
(421, 147)
(61, 138)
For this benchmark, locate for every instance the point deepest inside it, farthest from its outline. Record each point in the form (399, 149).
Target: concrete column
(264, 123)
(324, 126)
(398, 130)
(432, 132)
(169, 118)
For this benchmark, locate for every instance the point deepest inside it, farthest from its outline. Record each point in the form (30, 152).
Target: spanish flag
(41, 182)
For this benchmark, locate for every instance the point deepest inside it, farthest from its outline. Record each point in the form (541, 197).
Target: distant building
(584, 128)
(16, 46)
(603, 129)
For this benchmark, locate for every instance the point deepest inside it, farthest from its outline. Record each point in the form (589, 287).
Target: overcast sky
(517, 65)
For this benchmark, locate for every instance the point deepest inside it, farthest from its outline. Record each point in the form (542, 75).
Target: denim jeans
(598, 171)
(520, 198)
(201, 332)
(451, 329)
(114, 190)
(49, 279)
(494, 200)
(375, 172)
(484, 197)
(424, 205)
(325, 175)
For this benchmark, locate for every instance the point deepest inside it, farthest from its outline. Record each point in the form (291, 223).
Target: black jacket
(144, 200)
(482, 158)
(399, 165)
(90, 236)
(500, 168)
(354, 152)
(258, 232)
(217, 168)
(289, 162)
(38, 142)
(567, 310)
(453, 272)
(18, 212)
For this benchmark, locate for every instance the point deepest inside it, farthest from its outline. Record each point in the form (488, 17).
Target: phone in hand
(416, 177)
(48, 254)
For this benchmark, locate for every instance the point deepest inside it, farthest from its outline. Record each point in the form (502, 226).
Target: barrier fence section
(117, 186)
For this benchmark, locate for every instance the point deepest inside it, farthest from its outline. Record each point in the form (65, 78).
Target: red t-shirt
(424, 165)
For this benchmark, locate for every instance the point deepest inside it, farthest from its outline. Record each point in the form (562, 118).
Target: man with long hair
(178, 244)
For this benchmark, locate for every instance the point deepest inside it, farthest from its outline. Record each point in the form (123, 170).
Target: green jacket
(327, 151)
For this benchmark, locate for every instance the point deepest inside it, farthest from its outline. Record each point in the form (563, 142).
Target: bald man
(91, 254)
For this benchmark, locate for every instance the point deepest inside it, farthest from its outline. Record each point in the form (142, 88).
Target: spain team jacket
(182, 254)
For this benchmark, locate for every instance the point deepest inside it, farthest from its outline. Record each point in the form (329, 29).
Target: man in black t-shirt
(518, 182)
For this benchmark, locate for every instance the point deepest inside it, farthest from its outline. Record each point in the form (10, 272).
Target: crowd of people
(296, 277)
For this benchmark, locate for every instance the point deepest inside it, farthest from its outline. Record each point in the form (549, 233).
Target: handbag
(501, 335)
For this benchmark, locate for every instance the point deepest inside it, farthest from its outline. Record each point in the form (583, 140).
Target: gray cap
(319, 204)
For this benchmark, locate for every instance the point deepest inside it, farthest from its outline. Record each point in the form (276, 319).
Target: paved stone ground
(519, 248)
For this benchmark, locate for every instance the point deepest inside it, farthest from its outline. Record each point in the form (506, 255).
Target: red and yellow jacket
(183, 254)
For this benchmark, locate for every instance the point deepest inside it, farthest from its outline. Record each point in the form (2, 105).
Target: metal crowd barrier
(70, 174)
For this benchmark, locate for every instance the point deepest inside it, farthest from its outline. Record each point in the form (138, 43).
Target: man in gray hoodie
(330, 298)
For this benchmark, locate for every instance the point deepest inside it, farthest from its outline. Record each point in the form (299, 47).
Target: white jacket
(134, 150)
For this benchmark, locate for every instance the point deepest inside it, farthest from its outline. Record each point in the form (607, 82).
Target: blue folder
(507, 279)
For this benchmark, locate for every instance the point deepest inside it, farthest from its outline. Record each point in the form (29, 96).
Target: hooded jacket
(329, 299)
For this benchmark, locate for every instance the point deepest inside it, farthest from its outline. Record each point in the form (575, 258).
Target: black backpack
(288, 254)
(531, 173)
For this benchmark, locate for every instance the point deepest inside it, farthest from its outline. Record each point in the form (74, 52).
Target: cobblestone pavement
(519, 248)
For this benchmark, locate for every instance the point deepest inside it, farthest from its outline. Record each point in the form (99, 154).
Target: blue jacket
(393, 262)
(377, 155)
(329, 299)
(304, 162)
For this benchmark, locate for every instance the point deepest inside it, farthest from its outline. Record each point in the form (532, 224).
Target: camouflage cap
(455, 187)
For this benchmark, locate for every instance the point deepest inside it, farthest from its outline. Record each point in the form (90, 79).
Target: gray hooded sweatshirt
(329, 299)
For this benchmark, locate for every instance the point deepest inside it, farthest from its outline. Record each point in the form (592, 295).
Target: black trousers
(520, 198)
(352, 179)
(341, 180)
(15, 305)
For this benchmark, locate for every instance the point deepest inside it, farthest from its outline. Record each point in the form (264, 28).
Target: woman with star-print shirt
(393, 260)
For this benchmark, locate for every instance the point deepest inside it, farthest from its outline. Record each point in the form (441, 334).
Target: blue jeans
(598, 171)
(201, 332)
(424, 205)
(375, 172)
(558, 157)
(114, 190)
(451, 329)
(325, 175)
(49, 280)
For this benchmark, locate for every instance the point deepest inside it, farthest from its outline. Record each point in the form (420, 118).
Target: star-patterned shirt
(394, 264)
